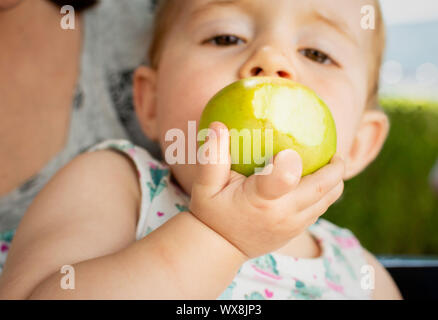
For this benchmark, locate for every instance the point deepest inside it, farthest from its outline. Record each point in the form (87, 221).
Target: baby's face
(318, 43)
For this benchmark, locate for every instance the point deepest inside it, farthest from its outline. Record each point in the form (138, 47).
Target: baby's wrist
(219, 241)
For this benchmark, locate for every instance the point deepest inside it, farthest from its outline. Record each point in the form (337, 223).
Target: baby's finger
(315, 186)
(312, 213)
(276, 179)
(214, 161)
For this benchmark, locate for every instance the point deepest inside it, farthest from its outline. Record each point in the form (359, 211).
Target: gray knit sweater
(116, 36)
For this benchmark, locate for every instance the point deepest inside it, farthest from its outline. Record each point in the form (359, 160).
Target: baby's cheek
(346, 113)
(346, 122)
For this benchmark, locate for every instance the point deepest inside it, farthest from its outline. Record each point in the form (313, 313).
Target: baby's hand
(262, 213)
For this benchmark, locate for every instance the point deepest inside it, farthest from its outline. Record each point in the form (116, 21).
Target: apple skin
(299, 120)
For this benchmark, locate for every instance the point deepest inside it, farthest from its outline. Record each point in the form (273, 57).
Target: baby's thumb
(214, 161)
(279, 178)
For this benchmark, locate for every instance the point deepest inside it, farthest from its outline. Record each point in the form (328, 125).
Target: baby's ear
(144, 93)
(370, 137)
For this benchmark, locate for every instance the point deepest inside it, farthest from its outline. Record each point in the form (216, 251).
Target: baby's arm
(385, 287)
(86, 217)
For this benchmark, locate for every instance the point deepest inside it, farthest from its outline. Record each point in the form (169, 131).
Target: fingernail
(283, 154)
(212, 133)
(217, 128)
(266, 171)
(290, 178)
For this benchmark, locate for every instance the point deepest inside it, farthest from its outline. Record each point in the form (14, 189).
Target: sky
(409, 11)
(410, 66)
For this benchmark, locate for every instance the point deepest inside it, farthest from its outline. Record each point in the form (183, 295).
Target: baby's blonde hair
(379, 46)
(168, 10)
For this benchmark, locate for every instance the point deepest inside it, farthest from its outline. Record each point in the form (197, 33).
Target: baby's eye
(317, 56)
(225, 40)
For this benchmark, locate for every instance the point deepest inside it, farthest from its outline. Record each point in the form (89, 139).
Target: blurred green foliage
(391, 206)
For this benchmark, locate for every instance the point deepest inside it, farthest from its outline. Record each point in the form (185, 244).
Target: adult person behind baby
(62, 90)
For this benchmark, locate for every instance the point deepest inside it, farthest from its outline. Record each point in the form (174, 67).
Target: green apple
(276, 114)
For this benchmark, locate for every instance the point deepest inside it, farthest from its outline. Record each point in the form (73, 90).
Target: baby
(132, 227)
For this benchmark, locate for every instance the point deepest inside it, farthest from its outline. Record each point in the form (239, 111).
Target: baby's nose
(267, 62)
